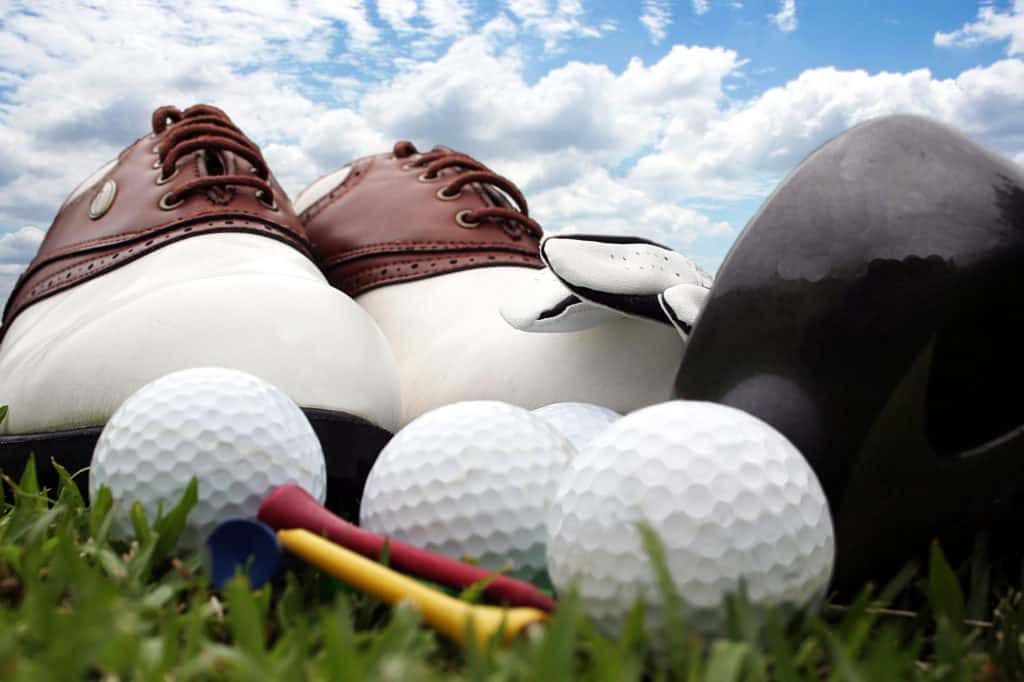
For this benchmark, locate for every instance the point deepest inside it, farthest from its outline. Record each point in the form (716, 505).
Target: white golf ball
(579, 422)
(470, 479)
(240, 436)
(729, 496)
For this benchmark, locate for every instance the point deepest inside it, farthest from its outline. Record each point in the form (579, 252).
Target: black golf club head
(871, 312)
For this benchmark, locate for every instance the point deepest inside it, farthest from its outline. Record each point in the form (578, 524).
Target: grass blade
(474, 594)
(139, 522)
(672, 603)
(29, 483)
(725, 662)
(981, 577)
(340, 660)
(68, 493)
(944, 588)
(171, 526)
(100, 515)
(244, 617)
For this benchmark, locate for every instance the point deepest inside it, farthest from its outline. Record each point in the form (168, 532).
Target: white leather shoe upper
(451, 344)
(232, 300)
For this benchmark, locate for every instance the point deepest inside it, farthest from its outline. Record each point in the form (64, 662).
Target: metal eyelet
(156, 148)
(272, 204)
(158, 164)
(460, 218)
(409, 166)
(166, 205)
(161, 180)
(429, 178)
(443, 195)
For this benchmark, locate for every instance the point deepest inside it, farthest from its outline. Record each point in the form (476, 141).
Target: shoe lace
(207, 128)
(515, 219)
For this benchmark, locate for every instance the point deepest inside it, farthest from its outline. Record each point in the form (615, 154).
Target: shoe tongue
(213, 162)
(321, 188)
(494, 196)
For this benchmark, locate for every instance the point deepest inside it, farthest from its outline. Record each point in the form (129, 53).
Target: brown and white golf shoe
(432, 244)
(185, 252)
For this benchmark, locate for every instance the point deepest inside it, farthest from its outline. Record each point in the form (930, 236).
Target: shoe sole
(350, 444)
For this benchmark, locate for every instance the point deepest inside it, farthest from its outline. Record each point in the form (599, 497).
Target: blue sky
(670, 120)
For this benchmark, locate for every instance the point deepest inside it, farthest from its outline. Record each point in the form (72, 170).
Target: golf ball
(471, 479)
(237, 434)
(730, 498)
(579, 422)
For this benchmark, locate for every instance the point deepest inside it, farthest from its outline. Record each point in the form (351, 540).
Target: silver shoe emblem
(103, 200)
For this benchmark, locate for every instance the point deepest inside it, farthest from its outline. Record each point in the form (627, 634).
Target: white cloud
(398, 13)
(325, 142)
(476, 98)
(785, 18)
(657, 16)
(8, 277)
(448, 17)
(595, 202)
(701, 7)
(424, 25)
(554, 20)
(223, 54)
(352, 13)
(20, 246)
(990, 26)
(745, 150)
(16, 250)
(630, 148)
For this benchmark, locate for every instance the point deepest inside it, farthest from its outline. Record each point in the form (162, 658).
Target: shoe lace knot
(506, 203)
(207, 129)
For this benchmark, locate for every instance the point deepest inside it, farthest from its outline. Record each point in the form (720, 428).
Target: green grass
(74, 605)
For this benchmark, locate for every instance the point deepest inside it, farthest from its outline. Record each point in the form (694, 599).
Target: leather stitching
(424, 247)
(347, 281)
(59, 280)
(417, 261)
(354, 271)
(125, 237)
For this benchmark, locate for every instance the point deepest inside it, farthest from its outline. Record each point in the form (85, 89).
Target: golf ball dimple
(579, 422)
(730, 498)
(237, 434)
(471, 479)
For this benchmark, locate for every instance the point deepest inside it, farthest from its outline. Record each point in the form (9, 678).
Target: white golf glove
(594, 279)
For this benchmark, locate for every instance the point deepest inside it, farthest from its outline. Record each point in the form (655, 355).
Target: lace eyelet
(272, 204)
(429, 178)
(158, 164)
(409, 166)
(443, 195)
(166, 205)
(462, 219)
(161, 180)
(156, 148)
